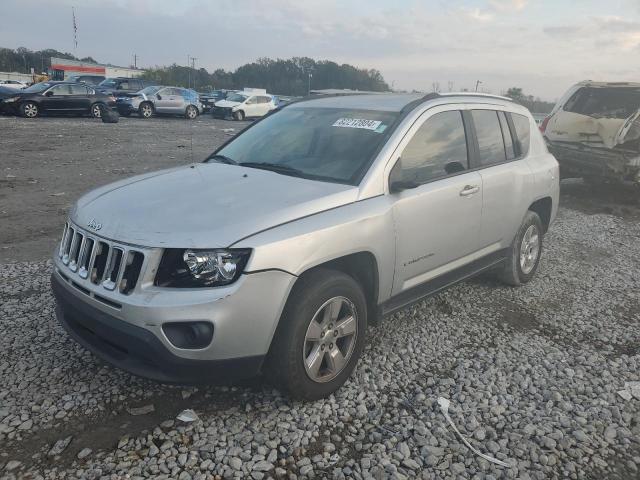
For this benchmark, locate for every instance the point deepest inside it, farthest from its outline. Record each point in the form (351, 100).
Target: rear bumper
(581, 160)
(137, 350)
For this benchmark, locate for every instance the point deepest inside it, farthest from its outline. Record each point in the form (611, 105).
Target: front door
(169, 100)
(56, 99)
(437, 214)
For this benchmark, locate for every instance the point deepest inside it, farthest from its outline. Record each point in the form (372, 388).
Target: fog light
(190, 335)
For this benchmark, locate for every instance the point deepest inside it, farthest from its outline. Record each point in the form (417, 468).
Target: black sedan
(56, 98)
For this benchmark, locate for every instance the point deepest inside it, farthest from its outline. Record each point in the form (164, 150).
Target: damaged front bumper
(580, 160)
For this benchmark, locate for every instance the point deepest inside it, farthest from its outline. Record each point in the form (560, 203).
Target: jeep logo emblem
(93, 225)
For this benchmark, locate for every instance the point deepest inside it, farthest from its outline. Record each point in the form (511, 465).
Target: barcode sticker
(357, 123)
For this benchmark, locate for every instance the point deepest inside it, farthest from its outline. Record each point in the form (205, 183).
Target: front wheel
(525, 251)
(29, 110)
(320, 336)
(239, 115)
(191, 112)
(145, 110)
(96, 110)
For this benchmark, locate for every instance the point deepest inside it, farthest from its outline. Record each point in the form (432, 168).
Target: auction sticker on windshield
(357, 123)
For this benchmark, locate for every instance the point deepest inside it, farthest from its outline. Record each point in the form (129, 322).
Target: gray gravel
(532, 375)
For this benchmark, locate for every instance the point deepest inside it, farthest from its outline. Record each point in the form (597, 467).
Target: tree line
(533, 104)
(22, 60)
(293, 76)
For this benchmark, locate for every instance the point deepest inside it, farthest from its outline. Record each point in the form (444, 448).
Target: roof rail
(475, 94)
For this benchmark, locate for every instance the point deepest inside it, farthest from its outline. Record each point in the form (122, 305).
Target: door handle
(469, 190)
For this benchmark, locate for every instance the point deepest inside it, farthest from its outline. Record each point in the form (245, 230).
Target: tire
(145, 110)
(96, 110)
(238, 116)
(29, 110)
(313, 295)
(191, 112)
(525, 252)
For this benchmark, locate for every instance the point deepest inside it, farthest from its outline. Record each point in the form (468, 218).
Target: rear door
(437, 223)
(506, 177)
(79, 98)
(251, 107)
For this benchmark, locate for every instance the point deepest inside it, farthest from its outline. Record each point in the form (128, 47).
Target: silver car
(158, 99)
(277, 252)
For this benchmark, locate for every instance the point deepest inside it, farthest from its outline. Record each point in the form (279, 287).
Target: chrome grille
(113, 266)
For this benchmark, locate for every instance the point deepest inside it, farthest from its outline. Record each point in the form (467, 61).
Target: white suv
(241, 105)
(276, 253)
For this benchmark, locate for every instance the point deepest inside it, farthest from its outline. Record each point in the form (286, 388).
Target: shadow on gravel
(103, 430)
(612, 199)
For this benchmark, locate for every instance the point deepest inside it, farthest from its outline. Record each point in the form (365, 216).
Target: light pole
(478, 82)
(309, 85)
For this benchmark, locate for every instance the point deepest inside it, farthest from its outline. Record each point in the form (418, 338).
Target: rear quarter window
(523, 133)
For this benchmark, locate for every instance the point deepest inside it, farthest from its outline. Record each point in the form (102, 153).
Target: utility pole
(188, 72)
(135, 61)
(478, 82)
(309, 85)
(193, 66)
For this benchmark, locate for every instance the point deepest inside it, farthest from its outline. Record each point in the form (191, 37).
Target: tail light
(543, 125)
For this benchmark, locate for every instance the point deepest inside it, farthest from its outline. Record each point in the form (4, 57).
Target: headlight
(12, 99)
(201, 268)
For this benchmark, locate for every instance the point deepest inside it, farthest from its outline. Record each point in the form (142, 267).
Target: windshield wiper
(222, 159)
(273, 167)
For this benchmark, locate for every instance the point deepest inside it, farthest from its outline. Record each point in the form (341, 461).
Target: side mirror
(49, 93)
(399, 185)
(159, 97)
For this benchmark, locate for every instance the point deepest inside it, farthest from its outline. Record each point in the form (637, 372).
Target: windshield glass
(236, 97)
(330, 144)
(150, 90)
(109, 82)
(38, 87)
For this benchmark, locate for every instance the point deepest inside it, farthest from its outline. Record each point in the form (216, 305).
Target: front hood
(206, 205)
(227, 104)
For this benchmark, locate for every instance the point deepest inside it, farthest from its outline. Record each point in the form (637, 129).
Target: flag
(75, 27)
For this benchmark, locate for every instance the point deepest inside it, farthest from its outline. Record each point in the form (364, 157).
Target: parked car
(14, 84)
(56, 98)
(241, 105)
(210, 98)
(121, 86)
(159, 99)
(278, 251)
(88, 79)
(594, 131)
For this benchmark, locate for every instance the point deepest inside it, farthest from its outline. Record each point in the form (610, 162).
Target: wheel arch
(363, 267)
(543, 207)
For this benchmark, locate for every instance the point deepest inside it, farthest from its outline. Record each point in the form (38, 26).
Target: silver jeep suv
(276, 252)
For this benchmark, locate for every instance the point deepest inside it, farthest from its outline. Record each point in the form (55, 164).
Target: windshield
(330, 144)
(236, 97)
(150, 90)
(38, 87)
(109, 82)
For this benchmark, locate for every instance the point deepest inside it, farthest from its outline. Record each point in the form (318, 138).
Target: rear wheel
(96, 110)
(524, 252)
(239, 115)
(191, 112)
(320, 336)
(29, 110)
(145, 110)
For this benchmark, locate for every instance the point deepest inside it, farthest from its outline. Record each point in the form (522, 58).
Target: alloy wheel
(529, 249)
(330, 339)
(96, 111)
(30, 110)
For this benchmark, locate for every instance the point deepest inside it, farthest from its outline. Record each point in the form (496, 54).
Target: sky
(542, 46)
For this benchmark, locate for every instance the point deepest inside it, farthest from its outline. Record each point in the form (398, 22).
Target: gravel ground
(532, 374)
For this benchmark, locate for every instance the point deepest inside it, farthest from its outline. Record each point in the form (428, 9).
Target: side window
(437, 149)
(78, 90)
(252, 101)
(264, 99)
(123, 85)
(523, 133)
(489, 134)
(61, 90)
(506, 136)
